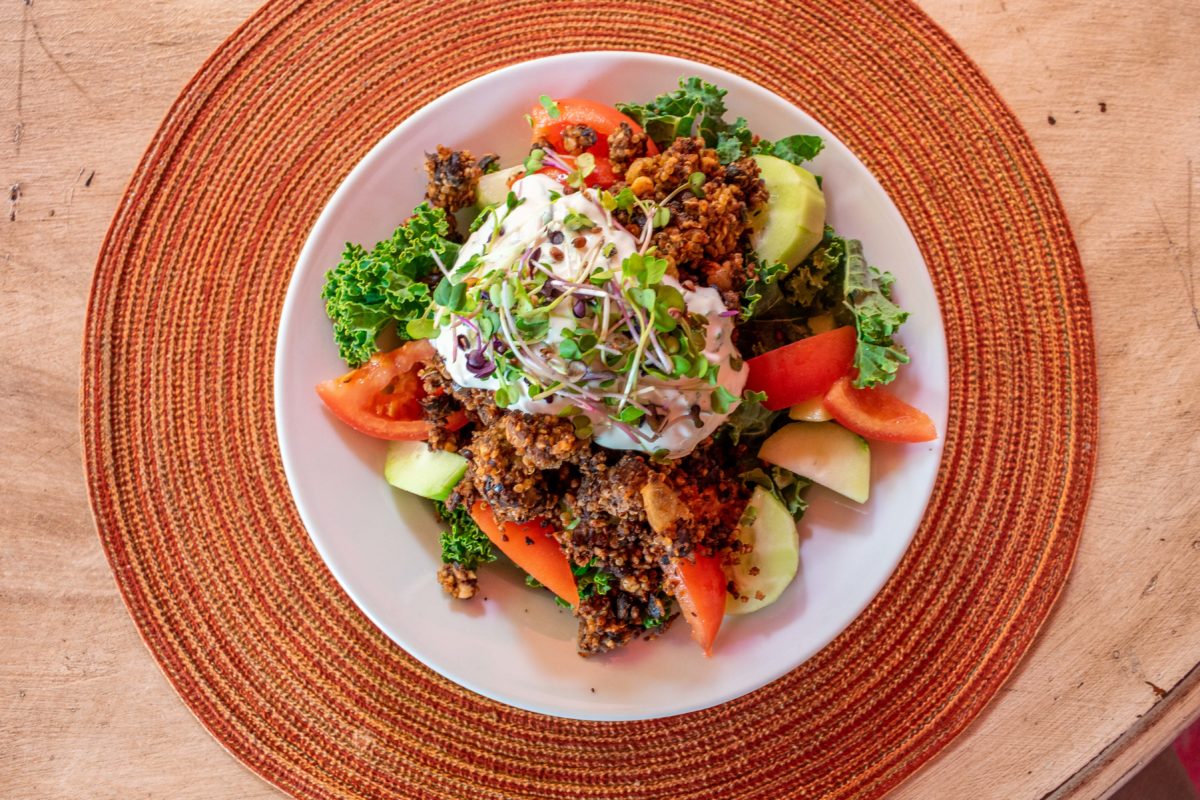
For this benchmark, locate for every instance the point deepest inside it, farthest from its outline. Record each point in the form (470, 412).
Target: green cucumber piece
(792, 222)
(825, 453)
(492, 188)
(761, 574)
(414, 467)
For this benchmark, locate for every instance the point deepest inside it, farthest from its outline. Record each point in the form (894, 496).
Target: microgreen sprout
(551, 107)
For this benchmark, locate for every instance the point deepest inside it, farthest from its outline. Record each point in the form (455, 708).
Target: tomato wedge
(802, 370)
(382, 398)
(597, 116)
(700, 590)
(878, 414)
(579, 111)
(533, 548)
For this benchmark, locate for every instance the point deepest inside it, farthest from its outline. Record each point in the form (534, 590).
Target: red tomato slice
(382, 398)
(597, 116)
(878, 414)
(578, 111)
(700, 590)
(802, 370)
(533, 548)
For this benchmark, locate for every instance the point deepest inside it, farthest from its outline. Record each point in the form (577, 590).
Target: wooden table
(1111, 96)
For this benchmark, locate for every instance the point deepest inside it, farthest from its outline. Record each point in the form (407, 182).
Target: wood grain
(1112, 102)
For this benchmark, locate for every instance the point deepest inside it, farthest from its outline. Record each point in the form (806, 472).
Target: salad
(620, 361)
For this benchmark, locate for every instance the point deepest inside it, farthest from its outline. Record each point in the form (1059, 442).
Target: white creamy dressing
(526, 226)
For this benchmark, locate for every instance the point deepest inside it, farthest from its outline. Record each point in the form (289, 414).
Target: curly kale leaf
(780, 309)
(737, 141)
(868, 295)
(796, 149)
(837, 286)
(817, 282)
(695, 108)
(750, 420)
(463, 542)
(788, 487)
(368, 290)
(757, 289)
(591, 580)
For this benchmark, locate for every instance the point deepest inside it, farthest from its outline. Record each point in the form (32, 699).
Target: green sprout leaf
(722, 399)
(533, 161)
(424, 328)
(550, 106)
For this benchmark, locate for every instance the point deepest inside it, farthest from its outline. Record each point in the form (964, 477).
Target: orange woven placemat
(197, 521)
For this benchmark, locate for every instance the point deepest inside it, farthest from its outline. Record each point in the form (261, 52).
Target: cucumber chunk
(793, 220)
(415, 468)
(825, 453)
(760, 575)
(492, 188)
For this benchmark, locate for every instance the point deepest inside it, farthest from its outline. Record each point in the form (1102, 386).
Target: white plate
(513, 644)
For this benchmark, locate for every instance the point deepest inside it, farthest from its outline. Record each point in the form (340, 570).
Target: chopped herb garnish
(650, 623)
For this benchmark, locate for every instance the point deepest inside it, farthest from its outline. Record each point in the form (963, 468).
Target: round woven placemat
(255, 634)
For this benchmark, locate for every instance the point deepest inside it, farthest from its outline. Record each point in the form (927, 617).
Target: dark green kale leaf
(868, 295)
(816, 282)
(695, 108)
(787, 486)
(796, 149)
(779, 310)
(758, 288)
(463, 542)
(750, 420)
(591, 580)
(736, 141)
(837, 285)
(368, 290)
